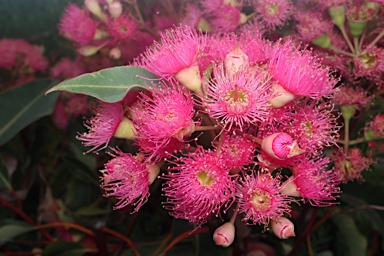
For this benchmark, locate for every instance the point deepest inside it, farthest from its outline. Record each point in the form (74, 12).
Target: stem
(125, 239)
(356, 43)
(67, 225)
(233, 217)
(183, 236)
(337, 50)
(310, 251)
(305, 233)
(352, 142)
(207, 128)
(137, 10)
(342, 28)
(362, 38)
(24, 216)
(220, 143)
(378, 37)
(346, 134)
(165, 240)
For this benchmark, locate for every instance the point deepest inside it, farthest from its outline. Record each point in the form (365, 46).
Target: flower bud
(190, 78)
(282, 96)
(347, 111)
(115, 53)
(283, 228)
(204, 25)
(337, 14)
(115, 9)
(281, 146)
(154, 171)
(94, 7)
(289, 188)
(224, 235)
(322, 41)
(125, 130)
(235, 60)
(89, 50)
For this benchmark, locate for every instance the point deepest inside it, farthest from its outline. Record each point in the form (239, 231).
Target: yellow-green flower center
(204, 178)
(260, 200)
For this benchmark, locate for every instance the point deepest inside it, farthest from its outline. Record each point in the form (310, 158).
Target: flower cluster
(263, 105)
(232, 109)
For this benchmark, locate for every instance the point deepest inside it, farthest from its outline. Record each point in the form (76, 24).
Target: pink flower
(236, 151)
(127, 179)
(356, 97)
(314, 184)
(369, 63)
(312, 24)
(273, 13)
(77, 104)
(77, 25)
(239, 101)
(260, 199)
(18, 53)
(167, 113)
(197, 187)
(350, 166)
(226, 18)
(103, 126)
(192, 15)
(122, 28)
(314, 125)
(378, 125)
(178, 49)
(300, 73)
(152, 150)
(60, 116)
(67, 68)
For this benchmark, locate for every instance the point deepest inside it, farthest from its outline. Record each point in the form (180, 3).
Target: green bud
(337, 14)
(322, 41)
(347, 111)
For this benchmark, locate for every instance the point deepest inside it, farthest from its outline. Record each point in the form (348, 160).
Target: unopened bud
(185, 132)
(347, 111)
(190, 78)
(235, 60)
(289, 188)
(204, 25)
(115, 9)
(94, 7)
(115, 53)
(243, 18)
(281, 146)
(89, 50)
(100, 34)
(283, 228)
(154, 171)
(282, 96)
(224, 235)
(125, 130)
(322, 41)
(337, 14)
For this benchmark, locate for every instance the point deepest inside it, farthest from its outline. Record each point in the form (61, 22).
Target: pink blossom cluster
(21, 61)
(228, 114)
(107, 26)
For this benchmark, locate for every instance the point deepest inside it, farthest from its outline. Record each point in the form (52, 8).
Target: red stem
(183, 236)
(24, 216)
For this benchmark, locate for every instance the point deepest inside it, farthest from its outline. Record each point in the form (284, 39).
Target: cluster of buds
(263, 106)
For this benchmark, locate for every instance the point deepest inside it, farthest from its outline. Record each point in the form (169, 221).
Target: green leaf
(355, 241)
(61, 248)
(11, 230)
(22, 105)
(110, 84)
(370, 215)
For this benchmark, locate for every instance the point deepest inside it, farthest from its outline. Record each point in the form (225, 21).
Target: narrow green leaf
(110, 84)
(22, 105)
(9, 231)
(356, 242)
(61, 248)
